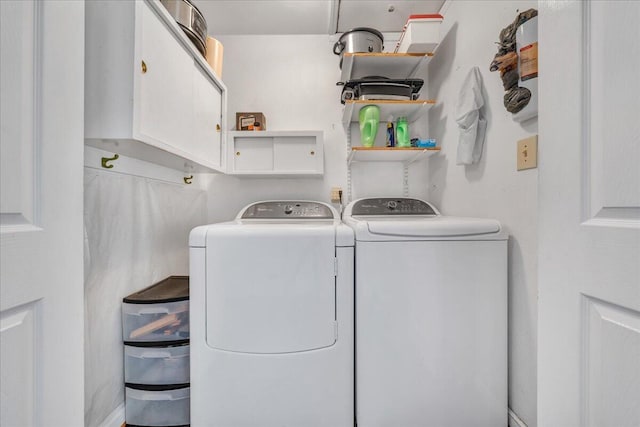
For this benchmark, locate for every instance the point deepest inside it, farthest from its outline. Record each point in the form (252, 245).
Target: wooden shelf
(412, 110)
(389, 154)
(390, 65)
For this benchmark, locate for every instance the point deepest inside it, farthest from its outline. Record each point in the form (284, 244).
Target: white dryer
(271, 305)
(431, 316)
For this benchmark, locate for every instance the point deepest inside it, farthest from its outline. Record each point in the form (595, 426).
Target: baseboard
(115, 418)
(514, 420)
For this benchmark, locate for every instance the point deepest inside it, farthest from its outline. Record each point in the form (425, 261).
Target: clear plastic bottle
(402, 133)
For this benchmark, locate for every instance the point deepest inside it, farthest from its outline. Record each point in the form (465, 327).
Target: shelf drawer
(157, 408)
(155, 322)
(156, 365)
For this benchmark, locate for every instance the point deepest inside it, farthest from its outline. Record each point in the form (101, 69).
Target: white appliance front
(431, 317)
(272, 319)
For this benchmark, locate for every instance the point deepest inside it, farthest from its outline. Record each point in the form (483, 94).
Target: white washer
(272, 318)
(431, 316)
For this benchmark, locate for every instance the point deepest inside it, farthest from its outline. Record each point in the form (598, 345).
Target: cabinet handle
(218, 127)
(313, 153)
(144, 67)
(237, 153)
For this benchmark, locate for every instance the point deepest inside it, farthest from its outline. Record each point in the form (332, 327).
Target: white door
(589, 215)
(41, 282)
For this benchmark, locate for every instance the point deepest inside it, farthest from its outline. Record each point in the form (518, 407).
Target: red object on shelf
(421, 34)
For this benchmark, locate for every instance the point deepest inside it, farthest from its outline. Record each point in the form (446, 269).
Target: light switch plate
(527, 154)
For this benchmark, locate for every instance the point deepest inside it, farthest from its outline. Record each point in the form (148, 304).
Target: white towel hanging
(471, 124)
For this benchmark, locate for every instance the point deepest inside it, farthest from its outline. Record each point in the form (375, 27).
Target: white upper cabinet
(276, 153)
(149, 92)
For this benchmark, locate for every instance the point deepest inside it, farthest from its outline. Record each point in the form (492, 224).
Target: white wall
(292, 80)
(492, 188)
(136, 234)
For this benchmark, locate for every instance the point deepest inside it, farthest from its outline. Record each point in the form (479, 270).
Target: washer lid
(388, 219)
(435, 226)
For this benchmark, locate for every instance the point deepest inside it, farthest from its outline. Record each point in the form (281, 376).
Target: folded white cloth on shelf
(471, 124)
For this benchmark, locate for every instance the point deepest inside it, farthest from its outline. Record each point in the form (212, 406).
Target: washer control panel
(391, 206)
(287, 209)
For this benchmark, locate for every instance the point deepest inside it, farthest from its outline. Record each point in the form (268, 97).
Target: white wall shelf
(393, 66)
(406, 155)
(390, 65)
(412, 110)
(277, 154)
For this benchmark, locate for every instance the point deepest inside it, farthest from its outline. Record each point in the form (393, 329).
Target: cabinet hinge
(335, 267)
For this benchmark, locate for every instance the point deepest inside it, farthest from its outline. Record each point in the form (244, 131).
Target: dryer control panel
(392, 206)
(287, 209)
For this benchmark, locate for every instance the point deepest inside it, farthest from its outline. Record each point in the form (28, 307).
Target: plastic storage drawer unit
(156, 365)
(157, 407)
(157, 313)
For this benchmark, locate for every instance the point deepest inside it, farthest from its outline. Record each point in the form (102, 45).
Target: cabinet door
(252, 154)
(207, 118)
(163, 102)
(296, 154)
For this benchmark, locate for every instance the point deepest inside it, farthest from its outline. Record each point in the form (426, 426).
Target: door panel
(270, 289)
(41, 282)
(17, 192)
(612, 125)
(612, 337)
(18, 334)
(589, 214)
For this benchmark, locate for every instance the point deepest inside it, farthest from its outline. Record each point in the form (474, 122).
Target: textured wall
(136, 235)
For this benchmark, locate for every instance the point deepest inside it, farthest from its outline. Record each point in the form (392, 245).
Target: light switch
(527, 154)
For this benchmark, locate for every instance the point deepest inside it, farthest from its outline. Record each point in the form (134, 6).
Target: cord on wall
(514, 420)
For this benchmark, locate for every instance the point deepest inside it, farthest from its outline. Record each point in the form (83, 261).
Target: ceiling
(236, 17)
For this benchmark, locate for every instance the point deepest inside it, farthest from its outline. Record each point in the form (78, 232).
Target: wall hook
(105, 160)
(187, 179)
